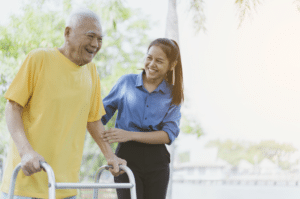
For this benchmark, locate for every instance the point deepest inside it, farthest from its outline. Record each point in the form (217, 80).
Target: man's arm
(30, 159)
(96, 129)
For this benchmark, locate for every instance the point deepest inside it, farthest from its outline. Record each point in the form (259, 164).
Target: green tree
(191, 126)
(234, 151)
(231, 152)
(124, 45)
(278, 153)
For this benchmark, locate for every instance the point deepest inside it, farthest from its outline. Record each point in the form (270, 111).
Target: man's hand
(30, 163)
(96, 130)
(116, 135)
(115, 162)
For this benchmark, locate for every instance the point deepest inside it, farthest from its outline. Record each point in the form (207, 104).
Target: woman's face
(156, 64)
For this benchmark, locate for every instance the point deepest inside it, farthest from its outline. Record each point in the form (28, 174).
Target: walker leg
(13, 181)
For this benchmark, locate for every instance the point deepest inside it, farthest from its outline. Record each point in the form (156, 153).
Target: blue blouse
(139, 110)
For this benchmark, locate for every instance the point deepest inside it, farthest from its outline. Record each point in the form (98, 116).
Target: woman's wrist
(132, 135)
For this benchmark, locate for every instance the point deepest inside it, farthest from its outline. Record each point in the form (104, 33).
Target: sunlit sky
(241, 83)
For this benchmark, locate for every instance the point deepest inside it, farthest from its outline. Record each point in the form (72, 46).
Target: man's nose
(95, 43)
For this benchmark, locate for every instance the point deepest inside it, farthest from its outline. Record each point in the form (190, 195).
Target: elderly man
(54, 97)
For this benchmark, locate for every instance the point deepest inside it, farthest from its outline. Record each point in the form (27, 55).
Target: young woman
(148, 117)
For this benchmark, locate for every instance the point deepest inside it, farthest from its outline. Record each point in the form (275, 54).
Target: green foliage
(245, 8)
(33, 29)
(229, 151)
(234, 151)
(184, 157)
(4, 137)
(190, 126)
(123, 49)
(197, 11)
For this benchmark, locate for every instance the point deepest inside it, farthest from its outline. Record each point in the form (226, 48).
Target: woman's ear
(173, 65)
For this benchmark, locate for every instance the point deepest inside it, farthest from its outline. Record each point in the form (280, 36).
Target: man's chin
(84, 62)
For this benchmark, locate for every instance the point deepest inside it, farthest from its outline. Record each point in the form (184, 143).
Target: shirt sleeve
(171, 122)
(111, 102)
(23, 85)
(96, 108)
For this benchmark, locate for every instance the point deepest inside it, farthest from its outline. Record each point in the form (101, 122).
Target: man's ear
(67, 32)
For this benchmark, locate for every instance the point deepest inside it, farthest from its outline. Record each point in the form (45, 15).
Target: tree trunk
(172, 33)
(172, 22)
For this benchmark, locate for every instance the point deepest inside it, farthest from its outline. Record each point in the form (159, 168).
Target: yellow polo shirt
(59, 98)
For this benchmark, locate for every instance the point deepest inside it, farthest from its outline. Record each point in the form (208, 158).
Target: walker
(53, 185)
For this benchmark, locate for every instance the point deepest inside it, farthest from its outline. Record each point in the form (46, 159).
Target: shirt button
(145, 118)
(147, 106)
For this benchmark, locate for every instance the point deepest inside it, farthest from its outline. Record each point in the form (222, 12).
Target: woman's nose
(152, 63)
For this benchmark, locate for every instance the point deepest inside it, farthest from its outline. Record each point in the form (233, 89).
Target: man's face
(84, 41)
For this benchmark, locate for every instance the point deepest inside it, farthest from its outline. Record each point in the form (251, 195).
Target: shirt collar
(163, 86)
(139, 80)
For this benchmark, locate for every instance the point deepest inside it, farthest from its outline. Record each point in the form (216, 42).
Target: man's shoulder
(92, 68)
(42, 52)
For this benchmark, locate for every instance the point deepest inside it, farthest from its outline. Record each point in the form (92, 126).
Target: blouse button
(145, 118)
(147, 106)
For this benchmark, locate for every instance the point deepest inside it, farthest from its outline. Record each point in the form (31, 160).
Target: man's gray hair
(78, 15)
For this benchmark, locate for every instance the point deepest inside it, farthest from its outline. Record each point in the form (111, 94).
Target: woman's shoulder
(131, 78)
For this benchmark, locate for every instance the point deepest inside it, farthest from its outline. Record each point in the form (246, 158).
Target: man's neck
(64, 50)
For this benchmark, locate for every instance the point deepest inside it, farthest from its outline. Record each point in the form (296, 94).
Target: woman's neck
(151, 84)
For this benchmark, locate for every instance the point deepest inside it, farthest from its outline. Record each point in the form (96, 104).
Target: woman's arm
(120, 135)
(166, 135)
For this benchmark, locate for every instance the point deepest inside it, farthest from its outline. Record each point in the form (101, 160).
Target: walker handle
(127, 171)
(51, 180)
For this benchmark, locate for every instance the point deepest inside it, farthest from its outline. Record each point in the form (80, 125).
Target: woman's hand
(116, 135)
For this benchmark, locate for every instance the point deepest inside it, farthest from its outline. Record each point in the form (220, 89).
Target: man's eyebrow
(92, 32)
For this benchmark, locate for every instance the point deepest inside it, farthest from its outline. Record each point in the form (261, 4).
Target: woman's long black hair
(171, 49)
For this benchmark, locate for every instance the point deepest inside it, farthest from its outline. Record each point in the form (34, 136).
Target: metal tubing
(97, 178)
(130, 185)
(92, 185)
(51, 180)
(13, 181)
(131, 180)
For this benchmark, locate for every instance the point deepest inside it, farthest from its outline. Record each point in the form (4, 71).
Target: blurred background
(241, 117)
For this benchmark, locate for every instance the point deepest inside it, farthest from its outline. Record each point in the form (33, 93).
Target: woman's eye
(90, 36)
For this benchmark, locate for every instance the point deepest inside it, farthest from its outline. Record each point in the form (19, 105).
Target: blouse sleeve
(111, 102)
(171, 122)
